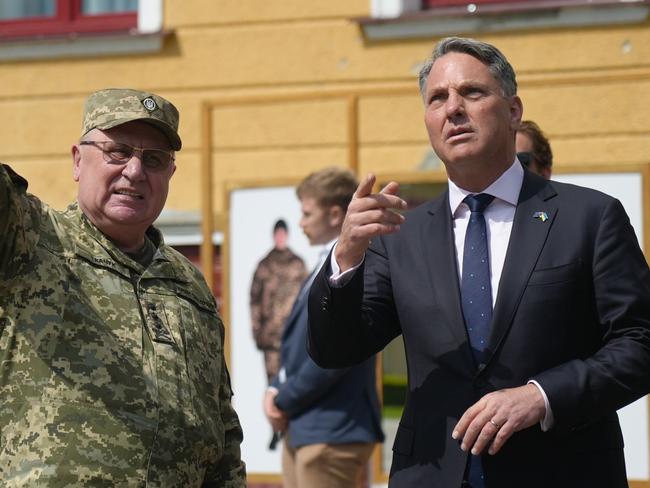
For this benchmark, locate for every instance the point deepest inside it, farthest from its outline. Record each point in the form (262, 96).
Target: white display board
(628, 188)
(253, 211)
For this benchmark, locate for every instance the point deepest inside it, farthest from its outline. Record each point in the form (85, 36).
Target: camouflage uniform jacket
(110, 374)
(276, 282)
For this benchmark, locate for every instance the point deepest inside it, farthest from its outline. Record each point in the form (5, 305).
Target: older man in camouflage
(112, 370)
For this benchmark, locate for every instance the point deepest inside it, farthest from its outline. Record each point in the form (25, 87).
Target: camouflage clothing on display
(276, 283)
(111, 374)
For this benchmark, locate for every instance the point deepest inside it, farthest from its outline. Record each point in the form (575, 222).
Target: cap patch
(150, 104)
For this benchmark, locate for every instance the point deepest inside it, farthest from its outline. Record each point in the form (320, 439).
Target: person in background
(113, 370)
(533, 149)
(275, 284)
(330, 418)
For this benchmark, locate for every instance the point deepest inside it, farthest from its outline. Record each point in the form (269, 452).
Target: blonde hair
(329, 187)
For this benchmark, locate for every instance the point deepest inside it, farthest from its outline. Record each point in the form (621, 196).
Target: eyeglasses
(156, 160)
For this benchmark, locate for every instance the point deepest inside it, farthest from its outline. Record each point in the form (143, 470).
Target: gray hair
(484, 52)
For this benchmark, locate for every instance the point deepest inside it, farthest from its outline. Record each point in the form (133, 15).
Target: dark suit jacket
(331, 406)
(572, 312)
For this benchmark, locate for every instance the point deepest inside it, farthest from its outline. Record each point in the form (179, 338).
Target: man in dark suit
(333, 415)
(524, 304)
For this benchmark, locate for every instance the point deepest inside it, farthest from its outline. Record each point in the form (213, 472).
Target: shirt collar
(506, 187)
(325, 250)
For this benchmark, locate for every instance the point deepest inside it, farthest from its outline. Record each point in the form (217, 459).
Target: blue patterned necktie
(476, 297)
(475, 288)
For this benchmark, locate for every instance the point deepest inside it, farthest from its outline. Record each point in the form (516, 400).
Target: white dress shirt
(499, 216)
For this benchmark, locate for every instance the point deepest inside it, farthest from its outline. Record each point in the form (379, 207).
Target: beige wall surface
(585, 87)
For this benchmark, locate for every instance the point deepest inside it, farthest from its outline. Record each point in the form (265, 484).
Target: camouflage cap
(109, 108)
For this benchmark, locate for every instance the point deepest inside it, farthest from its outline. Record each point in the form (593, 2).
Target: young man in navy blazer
(524, 304)
(330, 418)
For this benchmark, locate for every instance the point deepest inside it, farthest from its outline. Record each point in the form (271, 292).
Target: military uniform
(276, 283)
(111, 373)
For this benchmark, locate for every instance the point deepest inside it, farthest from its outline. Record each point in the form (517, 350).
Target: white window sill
(183, 228)
(541, 14)
(81, 45)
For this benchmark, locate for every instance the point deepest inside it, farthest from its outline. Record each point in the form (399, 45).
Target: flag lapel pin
(543, 216)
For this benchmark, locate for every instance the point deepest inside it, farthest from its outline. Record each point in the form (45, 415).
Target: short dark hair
(329, 186)
(280, 224)
(542, 153)
(484, 52)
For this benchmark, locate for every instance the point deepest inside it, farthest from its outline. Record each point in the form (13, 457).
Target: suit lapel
(530, 229)
(440, 255)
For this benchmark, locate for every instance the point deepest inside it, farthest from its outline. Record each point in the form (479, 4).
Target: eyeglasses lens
(119, 153)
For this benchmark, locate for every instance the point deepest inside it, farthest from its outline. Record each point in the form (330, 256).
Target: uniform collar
(94, 244)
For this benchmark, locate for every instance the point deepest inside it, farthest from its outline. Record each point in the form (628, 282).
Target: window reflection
(94, 7)
(13, 9)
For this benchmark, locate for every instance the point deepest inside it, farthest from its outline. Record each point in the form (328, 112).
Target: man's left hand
(277, 418)
(495, 417)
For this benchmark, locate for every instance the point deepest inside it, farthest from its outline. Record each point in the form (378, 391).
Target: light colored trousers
(325, 465)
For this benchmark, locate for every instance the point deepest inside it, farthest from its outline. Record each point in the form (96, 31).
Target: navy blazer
(331, 406)
(572, 312)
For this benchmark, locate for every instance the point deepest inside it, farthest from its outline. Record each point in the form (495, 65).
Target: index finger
(365, 187)
(387, 196)
(391, 188)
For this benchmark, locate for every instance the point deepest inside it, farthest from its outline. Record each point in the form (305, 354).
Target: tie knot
(479, 202)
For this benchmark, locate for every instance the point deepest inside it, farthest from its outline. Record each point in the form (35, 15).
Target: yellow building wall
(587, 88)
